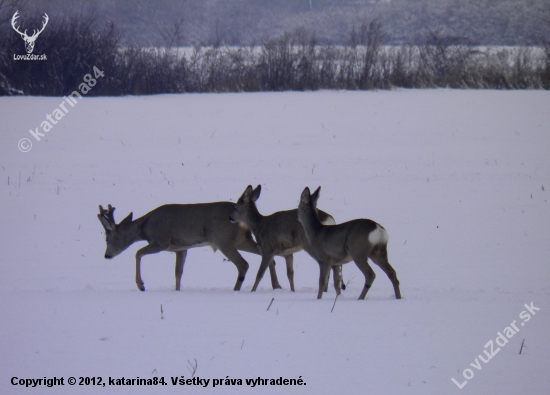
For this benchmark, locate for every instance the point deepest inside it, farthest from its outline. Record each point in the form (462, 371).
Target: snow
(459, 179)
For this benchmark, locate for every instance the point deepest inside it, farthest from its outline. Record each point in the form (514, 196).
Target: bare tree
(8, 8)
(173, 35)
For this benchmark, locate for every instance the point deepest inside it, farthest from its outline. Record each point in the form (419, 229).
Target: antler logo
(29, 40)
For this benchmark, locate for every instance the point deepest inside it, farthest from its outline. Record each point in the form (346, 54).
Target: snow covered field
(460, 179)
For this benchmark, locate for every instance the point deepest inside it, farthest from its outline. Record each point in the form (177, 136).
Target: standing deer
(355, 240)
(277, 234)
(177, 228)
(29, 40)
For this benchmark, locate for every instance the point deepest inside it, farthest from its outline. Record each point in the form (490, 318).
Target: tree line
(291, 61)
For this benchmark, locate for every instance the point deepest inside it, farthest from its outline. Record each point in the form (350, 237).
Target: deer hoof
(141, 287)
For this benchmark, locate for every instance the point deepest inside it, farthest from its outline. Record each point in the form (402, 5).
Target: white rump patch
(378, 236)
(329, 221)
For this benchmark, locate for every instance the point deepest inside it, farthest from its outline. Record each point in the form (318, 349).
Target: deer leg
(337, 273)
(328, 280)
(340, 271)
(249, 245)
(273, 274)
(180, 261)
(324, 274)
(242, 265)
(362, 263)
(290, 270)
(147, 250)
(266, 260)
(381, 259)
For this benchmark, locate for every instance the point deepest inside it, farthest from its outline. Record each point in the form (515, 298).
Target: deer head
(117, 240)
(29, 40)
(246, 206)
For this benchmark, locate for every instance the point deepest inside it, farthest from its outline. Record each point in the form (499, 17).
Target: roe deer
(179, 227)
(277, 234)
(355, 240)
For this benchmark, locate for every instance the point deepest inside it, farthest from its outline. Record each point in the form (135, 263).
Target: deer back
(283, 233)
(192, 225)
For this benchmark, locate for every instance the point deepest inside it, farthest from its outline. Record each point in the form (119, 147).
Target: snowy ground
(460, 179)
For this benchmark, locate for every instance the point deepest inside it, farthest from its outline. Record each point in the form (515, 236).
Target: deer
(177, 228)
(356, 240)
(29, 41)
(278, 234)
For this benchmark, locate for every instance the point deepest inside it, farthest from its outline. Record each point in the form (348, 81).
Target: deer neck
(253, 219)
(133, 231)
(311, 223)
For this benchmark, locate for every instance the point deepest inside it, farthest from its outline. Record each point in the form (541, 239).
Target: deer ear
(256, 193)
(315, 195)
(107, 225)
(127, 219)
(247, 193)
(306, 196)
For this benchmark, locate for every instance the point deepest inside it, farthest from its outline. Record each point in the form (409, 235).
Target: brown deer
(355, 240)
(277, 234)
(177, 228)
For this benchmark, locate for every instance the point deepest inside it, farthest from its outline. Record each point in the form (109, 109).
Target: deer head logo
(29, 40)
